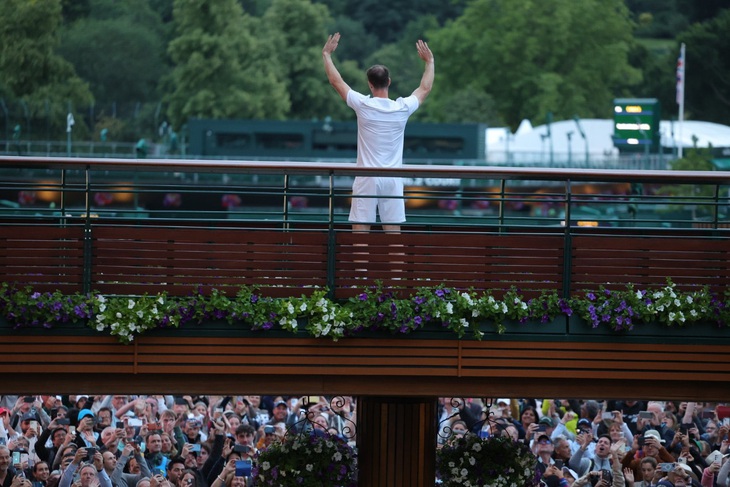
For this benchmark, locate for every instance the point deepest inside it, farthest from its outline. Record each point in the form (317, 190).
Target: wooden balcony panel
(460, 261)
(138, 259)
(615, 261)
(599, 360)
(46, 258)
(298, 357)
(55, 356)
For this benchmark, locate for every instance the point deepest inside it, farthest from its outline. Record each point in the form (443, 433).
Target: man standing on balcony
(381, 123)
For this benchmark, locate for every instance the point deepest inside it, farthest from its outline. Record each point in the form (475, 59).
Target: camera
(605, 475)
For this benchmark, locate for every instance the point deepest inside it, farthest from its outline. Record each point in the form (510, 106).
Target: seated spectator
(156, 461)
(543, 450)
(601, 458)
(86, 437)
(647, 446)
(41, 473)
(88, 472)
(175, 470)
(554, 477)
(7, 471)
(115, 468)
(245, 435)
(677, 477)
(561, 449)
(650, 474)
(57, 436)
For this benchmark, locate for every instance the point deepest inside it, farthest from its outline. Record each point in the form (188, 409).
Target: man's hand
(331, 44)
(80, 455)
(629, 476)
(423, 51)
(98, 461)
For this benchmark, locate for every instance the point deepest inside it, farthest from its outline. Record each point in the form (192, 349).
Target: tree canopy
(537, 56)
(30, 69)
(223, 69)
(497, 61)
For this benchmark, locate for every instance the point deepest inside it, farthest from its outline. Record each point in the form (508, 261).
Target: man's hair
(174, 461)
(649, 460)
(378, 76)
(245, 428)
(151, 434)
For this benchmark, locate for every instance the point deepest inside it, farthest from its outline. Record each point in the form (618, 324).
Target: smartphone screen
(16, 458)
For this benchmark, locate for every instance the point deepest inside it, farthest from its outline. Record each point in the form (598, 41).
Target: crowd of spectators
(151, 441)
(207, 441)
(604, 443)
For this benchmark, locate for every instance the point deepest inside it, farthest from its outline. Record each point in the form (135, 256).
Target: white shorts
(369, 194)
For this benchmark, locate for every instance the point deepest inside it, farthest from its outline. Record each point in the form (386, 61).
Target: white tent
(564, 142)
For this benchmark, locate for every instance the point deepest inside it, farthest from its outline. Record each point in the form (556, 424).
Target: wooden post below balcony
(396, 439)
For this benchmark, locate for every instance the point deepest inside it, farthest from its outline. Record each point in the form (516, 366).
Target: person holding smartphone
(88, 472)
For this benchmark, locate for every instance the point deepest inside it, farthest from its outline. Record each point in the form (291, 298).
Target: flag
(680, 76)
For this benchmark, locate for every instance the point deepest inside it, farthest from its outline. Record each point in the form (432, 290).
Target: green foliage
(401, 58)
(298, 30)
(708, 61)
(386, 20)
(306, 460)
(692, 197)
(30, 69)
(623, 310)
(495, 461)
(374, 308)
(537, 56)
(225, 65)
(121, 59)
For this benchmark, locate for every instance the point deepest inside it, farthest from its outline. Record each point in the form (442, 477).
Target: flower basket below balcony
(493, 461)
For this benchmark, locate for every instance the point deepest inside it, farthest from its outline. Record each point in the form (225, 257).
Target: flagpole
(680, 95)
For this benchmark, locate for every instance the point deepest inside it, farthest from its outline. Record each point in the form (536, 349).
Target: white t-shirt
(380, 126)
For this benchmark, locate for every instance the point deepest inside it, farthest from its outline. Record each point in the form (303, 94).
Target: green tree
(224, 67)
(123, 60)
(30, 69)
(386, 20)
(535, 56)
(298, 29)
(707, 89)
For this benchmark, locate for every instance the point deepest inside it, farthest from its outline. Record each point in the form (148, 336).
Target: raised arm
(333, 75)
(428, 72)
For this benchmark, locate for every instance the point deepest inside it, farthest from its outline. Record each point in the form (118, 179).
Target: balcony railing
(133, 226)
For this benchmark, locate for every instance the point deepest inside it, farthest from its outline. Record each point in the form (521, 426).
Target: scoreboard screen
(636, 124)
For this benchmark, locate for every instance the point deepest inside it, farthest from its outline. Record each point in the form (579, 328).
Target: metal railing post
(567, 243)
(331, 237)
